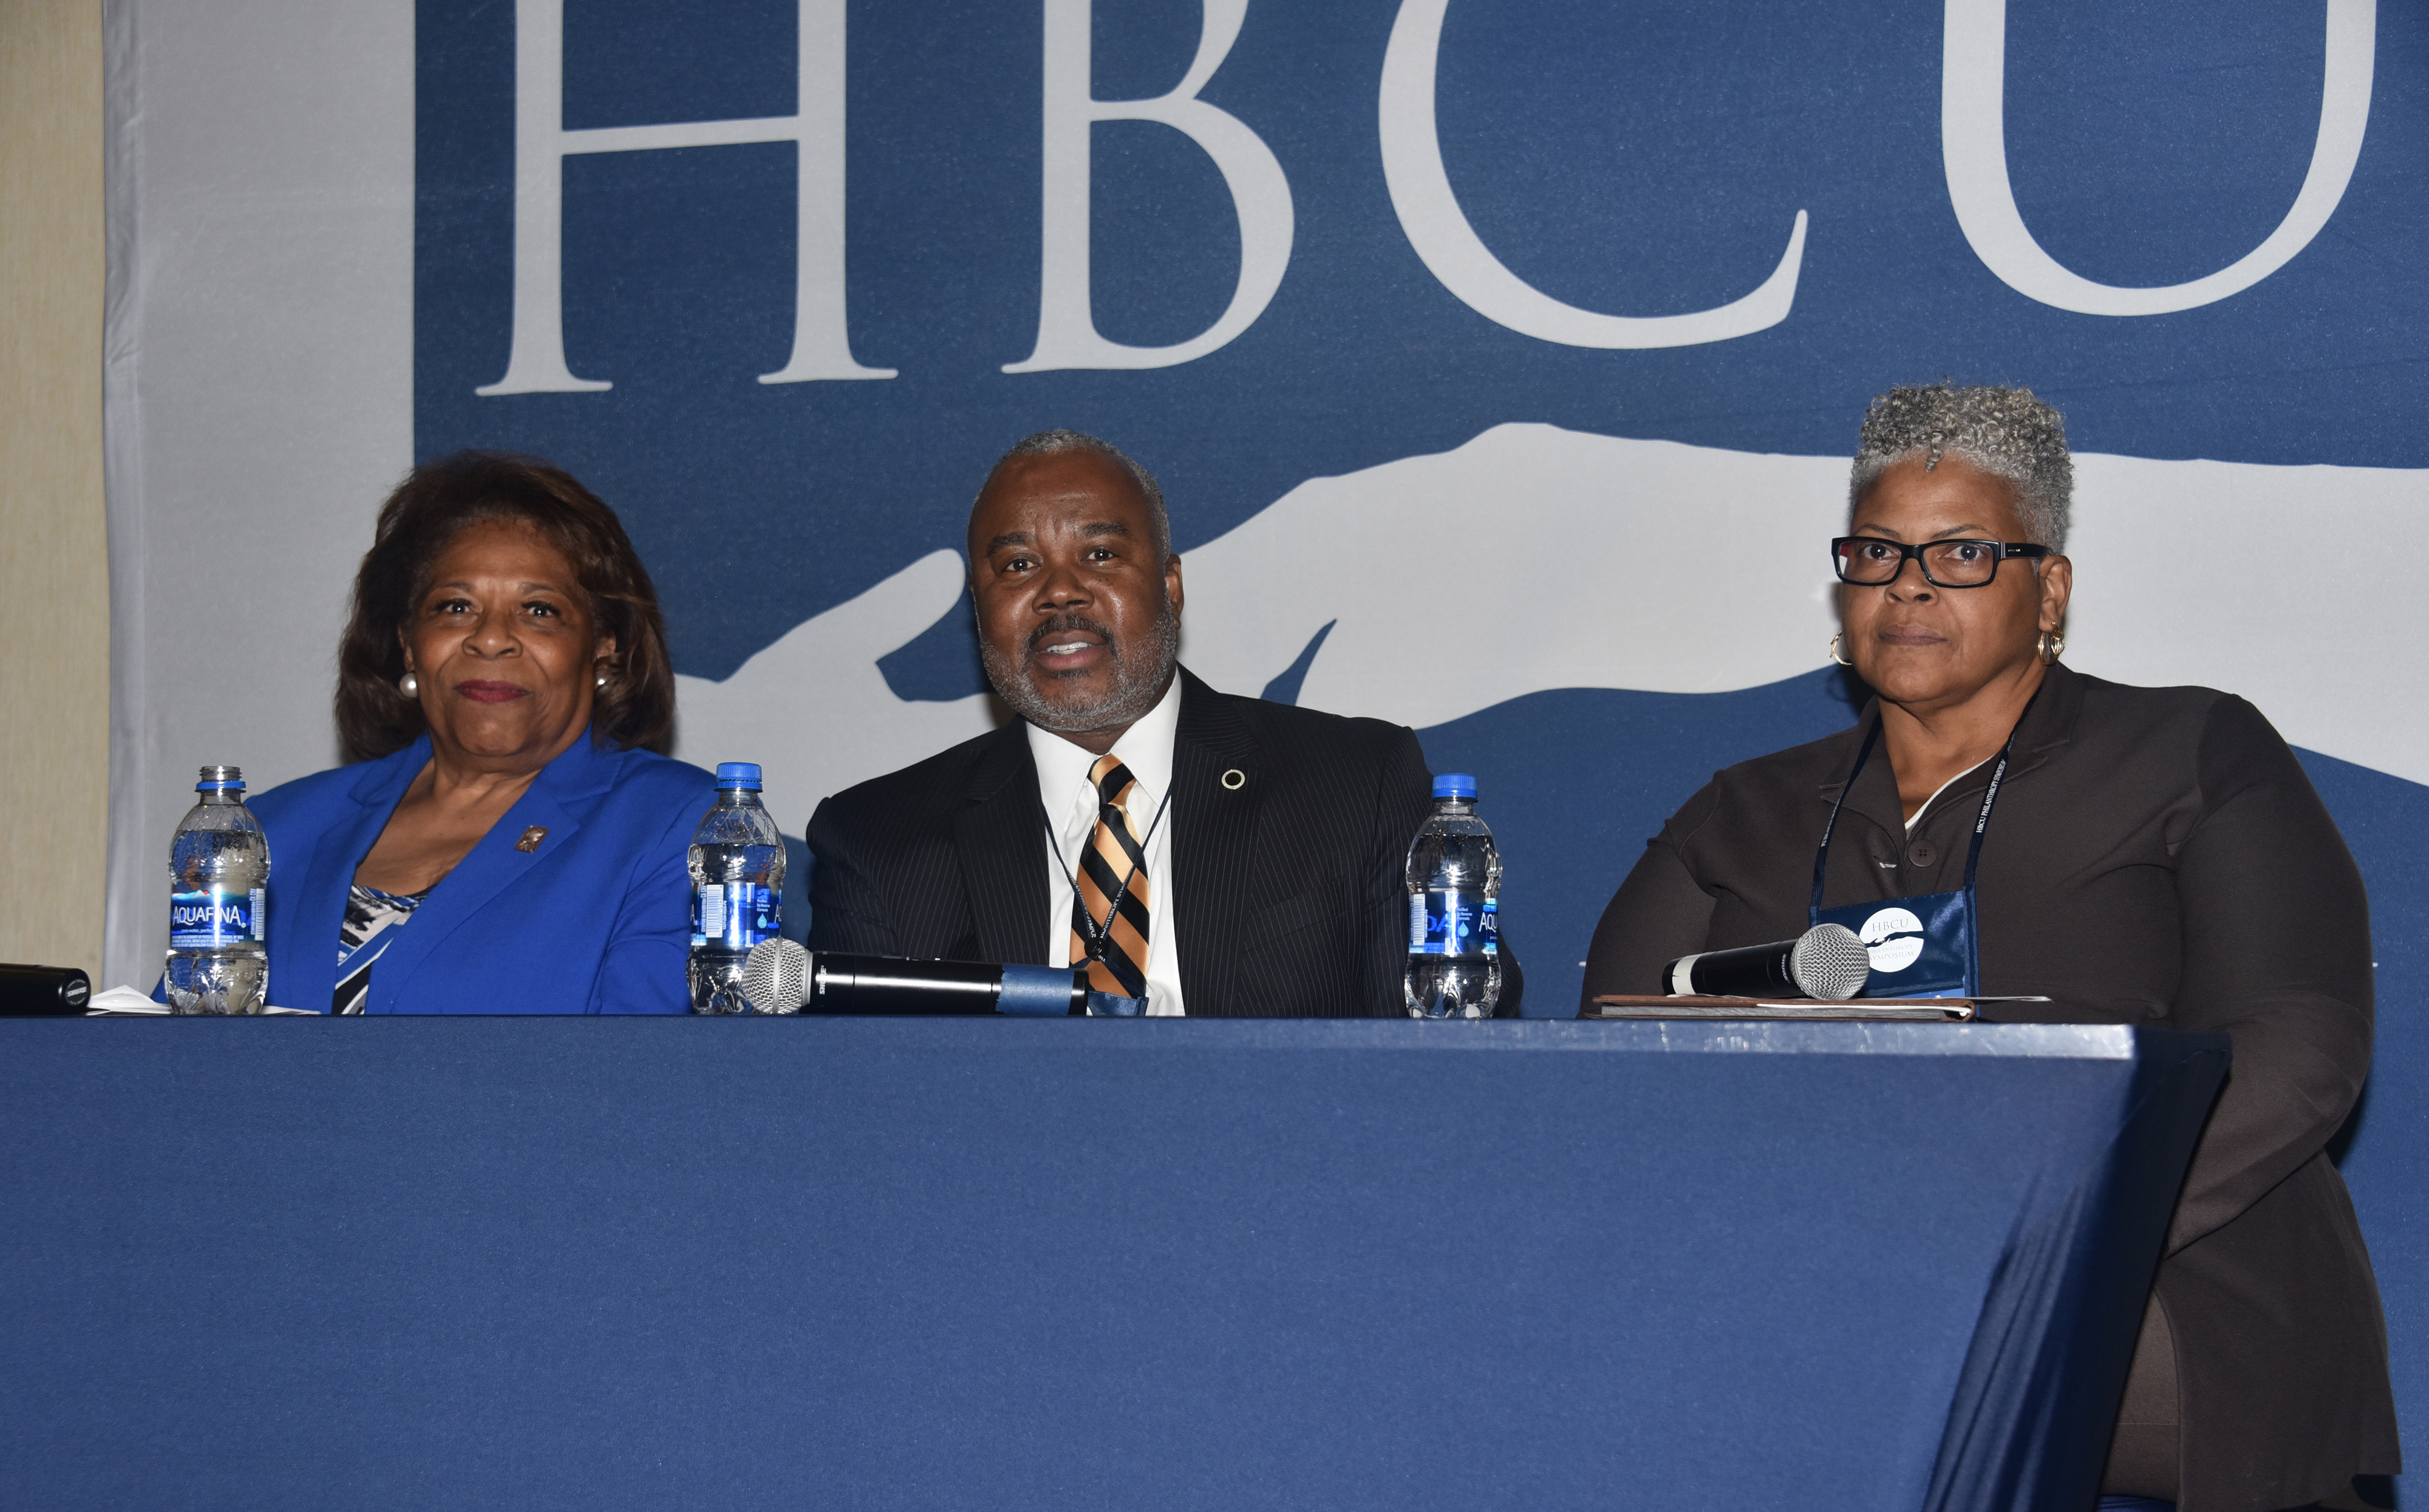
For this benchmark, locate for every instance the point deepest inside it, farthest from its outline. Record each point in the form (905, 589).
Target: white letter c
(1451, 251)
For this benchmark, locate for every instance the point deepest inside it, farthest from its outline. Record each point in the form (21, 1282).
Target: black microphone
(1827, 962)
(782, 978)
(43, 992)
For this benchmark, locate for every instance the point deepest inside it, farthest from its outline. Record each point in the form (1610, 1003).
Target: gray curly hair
(1055, 443)
(2005, 432)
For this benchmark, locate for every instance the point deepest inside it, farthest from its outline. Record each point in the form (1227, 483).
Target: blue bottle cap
(1455, 785)
(737, 774)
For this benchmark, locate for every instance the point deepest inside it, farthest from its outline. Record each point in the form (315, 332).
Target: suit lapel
(492, 865)
(999, 832)
(1217, 793)
(328, 873)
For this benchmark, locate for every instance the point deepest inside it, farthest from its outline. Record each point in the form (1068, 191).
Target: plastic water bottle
(1454, 901)
(218, 865)
(738, 889)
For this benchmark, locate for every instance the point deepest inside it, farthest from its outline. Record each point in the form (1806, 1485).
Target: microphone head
(776, 977)
(1828, 961)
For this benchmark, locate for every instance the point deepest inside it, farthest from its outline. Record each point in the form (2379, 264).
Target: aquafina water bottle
(1454, 901)
(219, 868)
(738, 889)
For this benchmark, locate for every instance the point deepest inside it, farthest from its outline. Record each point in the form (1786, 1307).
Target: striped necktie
(1113, 865)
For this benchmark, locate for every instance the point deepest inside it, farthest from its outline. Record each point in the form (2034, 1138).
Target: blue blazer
(596, 918)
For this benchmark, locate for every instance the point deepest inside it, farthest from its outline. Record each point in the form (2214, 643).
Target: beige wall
(54, 543)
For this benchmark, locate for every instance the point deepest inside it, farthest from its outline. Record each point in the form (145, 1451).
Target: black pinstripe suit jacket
(1287, 889)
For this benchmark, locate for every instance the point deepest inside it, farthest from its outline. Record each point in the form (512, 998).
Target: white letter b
(1066, 326)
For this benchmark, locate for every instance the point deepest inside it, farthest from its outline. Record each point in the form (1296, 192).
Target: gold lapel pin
(1235, 779)
(532, 837)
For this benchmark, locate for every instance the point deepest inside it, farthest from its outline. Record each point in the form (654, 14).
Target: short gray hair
(1056, 443)
(2005, 432)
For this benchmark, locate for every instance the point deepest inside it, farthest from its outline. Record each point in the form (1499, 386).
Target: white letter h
(821, 343)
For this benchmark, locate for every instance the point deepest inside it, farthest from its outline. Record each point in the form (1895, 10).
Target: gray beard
(1138, 679)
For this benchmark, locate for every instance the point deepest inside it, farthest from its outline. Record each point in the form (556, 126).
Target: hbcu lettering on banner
(1444, 923)
(1973, 145)
(217, 917)
(734, 915)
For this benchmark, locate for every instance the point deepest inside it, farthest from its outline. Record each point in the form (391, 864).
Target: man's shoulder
(923, 787)
(1285, 728)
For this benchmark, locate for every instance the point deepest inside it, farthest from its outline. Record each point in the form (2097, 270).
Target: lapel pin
(1235, 779)
(532, 837)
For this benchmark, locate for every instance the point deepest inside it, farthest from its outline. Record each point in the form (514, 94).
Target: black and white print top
(372, 918)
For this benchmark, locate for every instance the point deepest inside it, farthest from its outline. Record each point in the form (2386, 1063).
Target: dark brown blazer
(1287, 885)
(2156, 856)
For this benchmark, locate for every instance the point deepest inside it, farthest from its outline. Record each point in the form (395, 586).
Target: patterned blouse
(372, 918)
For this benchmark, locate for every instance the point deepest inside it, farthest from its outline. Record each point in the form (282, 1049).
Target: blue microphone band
(1039, 991)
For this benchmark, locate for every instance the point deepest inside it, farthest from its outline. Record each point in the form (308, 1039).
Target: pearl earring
(600, 681)
(409, 685)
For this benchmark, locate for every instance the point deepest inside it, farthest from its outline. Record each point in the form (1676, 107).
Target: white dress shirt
(1070, 803)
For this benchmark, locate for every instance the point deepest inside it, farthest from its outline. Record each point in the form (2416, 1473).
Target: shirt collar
(2048, 725)
(1145, 749)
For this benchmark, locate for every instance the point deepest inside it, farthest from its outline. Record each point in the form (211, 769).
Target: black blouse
(2156, 856)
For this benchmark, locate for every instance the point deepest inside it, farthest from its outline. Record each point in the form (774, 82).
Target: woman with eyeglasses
(1996, 824)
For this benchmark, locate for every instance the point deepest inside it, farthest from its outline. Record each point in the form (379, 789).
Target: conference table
(1076, 1264)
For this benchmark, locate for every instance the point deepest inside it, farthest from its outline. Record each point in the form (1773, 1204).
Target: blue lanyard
(1981, 820)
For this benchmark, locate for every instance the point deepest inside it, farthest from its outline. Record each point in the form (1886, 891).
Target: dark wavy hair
(429, 509)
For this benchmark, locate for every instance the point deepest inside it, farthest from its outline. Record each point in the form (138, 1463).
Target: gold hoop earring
(409, 685)
(1834, 653)
(2053, 646)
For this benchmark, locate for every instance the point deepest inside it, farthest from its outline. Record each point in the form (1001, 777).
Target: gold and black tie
(1112, 866)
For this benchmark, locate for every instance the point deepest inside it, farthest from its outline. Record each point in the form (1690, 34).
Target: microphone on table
(1827, 962)
(778, 976)
(43, 991)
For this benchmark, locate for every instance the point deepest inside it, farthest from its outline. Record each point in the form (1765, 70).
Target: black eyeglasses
(1869, 561)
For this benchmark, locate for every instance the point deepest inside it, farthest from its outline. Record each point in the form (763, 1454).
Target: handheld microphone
(775, 977)
(778, 976)
(1827, 962)
(43, 992)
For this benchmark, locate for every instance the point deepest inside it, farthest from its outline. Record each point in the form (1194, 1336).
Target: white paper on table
(126, 1002)
(119, 1001)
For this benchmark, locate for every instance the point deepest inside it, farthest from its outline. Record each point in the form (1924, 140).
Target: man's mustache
(1064, 625)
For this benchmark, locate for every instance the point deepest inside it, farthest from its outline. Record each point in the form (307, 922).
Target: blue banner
(1499, 360)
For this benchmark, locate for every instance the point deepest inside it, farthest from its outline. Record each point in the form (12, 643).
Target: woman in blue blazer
(508, 842)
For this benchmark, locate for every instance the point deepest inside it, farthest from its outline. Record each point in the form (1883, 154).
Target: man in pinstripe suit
(1199, 852)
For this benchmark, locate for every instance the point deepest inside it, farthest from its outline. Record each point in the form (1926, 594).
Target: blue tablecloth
(879, 1264)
